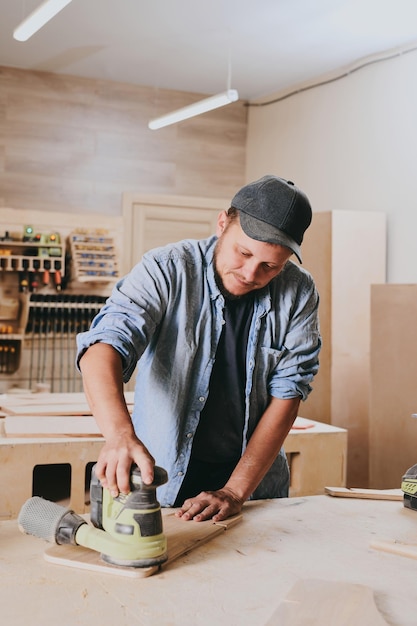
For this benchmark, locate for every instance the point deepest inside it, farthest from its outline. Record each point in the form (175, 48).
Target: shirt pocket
(270, 358)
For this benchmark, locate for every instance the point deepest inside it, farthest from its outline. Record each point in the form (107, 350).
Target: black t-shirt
(217, 444)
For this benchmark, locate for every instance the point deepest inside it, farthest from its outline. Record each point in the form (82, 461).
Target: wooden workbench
(50, 429)
(240, 577)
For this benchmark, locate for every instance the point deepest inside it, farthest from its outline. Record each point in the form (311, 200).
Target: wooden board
(371, 494)
(182, 537)
(392, 388)
(321, 602)
(396, 547)
(50, 403)
(51, 414)
(45, 424)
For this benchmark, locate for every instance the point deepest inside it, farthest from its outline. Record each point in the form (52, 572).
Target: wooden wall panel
(393, 390)
(72, 145)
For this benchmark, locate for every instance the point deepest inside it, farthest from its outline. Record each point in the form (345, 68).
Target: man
(225, 336)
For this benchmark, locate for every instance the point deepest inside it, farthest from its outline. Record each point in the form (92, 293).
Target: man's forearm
(263, 447)
(101, 369)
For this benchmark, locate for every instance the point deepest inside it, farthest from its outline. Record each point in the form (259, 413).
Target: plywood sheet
(182, 537)
(393, 389)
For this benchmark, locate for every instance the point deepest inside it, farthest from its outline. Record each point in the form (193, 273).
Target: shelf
(32, 256)
(94, 257)
(16, 263)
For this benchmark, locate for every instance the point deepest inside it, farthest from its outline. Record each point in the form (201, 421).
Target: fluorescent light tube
(202, 106)
(38, 18)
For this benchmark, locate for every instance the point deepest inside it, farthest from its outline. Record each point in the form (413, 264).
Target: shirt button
(189, 435)
(180, 474)
(201, 398)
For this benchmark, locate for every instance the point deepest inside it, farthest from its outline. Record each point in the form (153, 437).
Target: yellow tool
(126, 530)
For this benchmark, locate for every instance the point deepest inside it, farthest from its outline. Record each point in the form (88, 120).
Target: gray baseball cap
(274, 210)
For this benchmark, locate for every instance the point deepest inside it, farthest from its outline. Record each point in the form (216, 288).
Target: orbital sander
(126, 530)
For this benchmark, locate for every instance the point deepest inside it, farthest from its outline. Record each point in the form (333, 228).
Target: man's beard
(219, 282)
(225, 292)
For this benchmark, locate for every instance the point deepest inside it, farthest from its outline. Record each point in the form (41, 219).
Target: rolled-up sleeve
(300, 345)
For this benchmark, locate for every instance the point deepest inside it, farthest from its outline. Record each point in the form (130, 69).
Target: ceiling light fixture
(202, 106)
(38, 18)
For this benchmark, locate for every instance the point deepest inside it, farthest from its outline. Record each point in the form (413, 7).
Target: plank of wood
(40, 410)
(320, 602)
(46, 409)
(51, 425)
(371, 494)
(396, 547)
(182, 537)
(50, 403)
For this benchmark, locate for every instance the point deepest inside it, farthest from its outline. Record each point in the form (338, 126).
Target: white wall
(351, 145)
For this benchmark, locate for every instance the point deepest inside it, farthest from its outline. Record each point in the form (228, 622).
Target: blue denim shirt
(166, 317)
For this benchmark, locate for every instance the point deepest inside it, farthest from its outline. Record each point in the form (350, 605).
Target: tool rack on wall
(25, 260)
(52, 284)
(54, 320)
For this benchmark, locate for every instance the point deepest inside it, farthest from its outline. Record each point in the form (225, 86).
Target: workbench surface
(240, 577)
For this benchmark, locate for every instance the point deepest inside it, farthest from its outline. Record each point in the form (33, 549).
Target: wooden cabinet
(346, 253)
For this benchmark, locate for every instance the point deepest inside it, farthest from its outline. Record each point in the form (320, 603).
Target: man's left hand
(215, 505)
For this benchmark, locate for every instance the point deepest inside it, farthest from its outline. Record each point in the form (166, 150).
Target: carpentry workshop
(208, 305)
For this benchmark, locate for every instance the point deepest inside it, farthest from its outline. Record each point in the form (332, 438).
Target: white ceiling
(259, 47)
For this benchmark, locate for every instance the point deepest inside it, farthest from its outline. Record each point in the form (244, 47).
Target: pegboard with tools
(28, 260)
(48, 293)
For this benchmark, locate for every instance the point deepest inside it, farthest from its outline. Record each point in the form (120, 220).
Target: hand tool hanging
(32, 329)
(46, 318)
(57, 275)
(54, 326)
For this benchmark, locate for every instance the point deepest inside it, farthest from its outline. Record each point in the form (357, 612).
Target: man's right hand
(115, 462)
